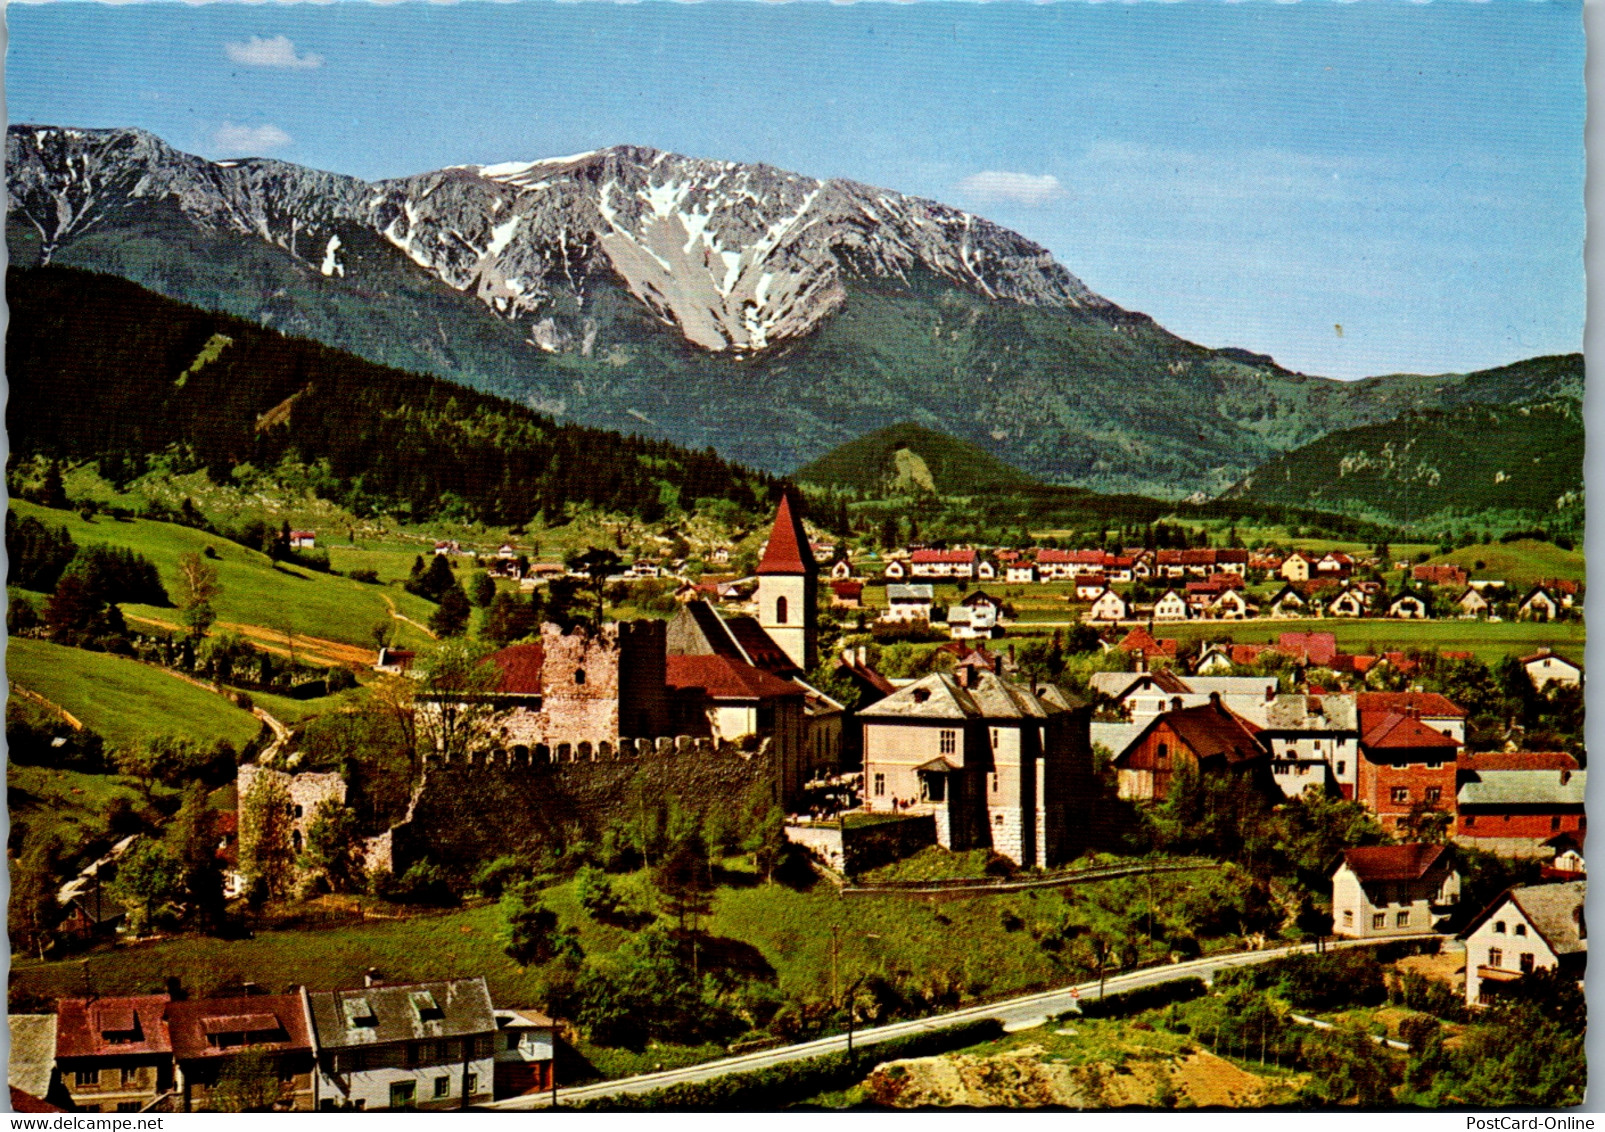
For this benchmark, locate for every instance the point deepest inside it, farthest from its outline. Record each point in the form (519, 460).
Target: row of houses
(1388, 891)
(427, 1045)
(1051, 565)
(1224, 598)
(1398, 753)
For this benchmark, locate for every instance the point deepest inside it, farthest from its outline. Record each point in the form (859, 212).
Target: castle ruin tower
(788, 584)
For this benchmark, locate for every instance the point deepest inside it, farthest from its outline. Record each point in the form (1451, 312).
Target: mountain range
(765, 314)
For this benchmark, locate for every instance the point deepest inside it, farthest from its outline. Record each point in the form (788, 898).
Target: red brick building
(1404, 765)
(1208, 739)
(1512, 802)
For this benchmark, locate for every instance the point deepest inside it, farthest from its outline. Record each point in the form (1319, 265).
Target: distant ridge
(910, 458)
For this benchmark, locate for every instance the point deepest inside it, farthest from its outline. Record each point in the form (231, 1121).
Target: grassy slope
(67, 806)
(122, 699)
(870, 465)
(1489, 642)
(255, 591)
(1521, 563)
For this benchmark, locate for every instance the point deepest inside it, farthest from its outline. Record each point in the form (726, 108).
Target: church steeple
(788, 582)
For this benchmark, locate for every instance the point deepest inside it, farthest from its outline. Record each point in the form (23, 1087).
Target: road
(1015, 1013)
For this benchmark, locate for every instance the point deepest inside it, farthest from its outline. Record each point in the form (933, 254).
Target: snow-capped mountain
(735, 257)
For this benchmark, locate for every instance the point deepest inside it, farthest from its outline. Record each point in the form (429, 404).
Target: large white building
(1529, 928)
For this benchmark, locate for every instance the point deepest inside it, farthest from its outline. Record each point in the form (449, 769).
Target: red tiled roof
(27, 1102)
(521, 669)
(787, 552)
(1546, 654)
(85, 1027)
(1212, 731)
(847, 590)
(1248, 654)
(929, 556)
(1517, 760)
(1454, 654)
(1393, 862)
(1140, 638)
(260, 1016)
(725, 679)
(1429, 704)
(1317, 648)
(1395, 731)
(761, 649)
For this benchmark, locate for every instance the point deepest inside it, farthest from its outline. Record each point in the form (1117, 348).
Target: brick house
(1207, 739)
(411, 1046)
(1513, 802)
(1404, 765)
(114, 1054)
(998, 764)
(209, 1035)
(1393, 890)
(1535, 927)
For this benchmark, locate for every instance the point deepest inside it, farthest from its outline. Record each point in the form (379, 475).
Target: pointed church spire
(788, 551)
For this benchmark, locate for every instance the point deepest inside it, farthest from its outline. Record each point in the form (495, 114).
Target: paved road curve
(1015, 1014)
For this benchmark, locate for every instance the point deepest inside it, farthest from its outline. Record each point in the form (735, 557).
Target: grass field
(255, 590)
(123, 700)
(1522, 563)
(68, 806)
(1488, 641)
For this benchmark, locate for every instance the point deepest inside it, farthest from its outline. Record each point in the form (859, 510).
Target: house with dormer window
(1533, 927)
(411, 1046)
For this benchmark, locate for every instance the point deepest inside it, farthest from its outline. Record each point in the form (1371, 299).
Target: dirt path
(313, 650)
(281, 735)
(400, 616)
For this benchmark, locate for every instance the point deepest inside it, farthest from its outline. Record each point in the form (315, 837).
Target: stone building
(999, 765)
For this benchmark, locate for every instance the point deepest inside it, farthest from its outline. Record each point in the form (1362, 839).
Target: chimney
(249, 989)
(1214, 701)
(1175, 703)
(863, 656)
(1142, 661)
(371, 978)
(175, 988)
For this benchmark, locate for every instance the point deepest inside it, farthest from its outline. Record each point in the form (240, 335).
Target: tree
(197, 589)
(333, 849)
(457, 713)
(685, 882)
(529, 929)
(77, 615)
(149, 883)
(1347, 1068)
(481, 589)
(265, 851)
(450, 618)
(192, 840)
(511, 618)
(53, 492)
(767, 842)
(598, 566)
(248, 1081)
(596, 893)
(34, 911)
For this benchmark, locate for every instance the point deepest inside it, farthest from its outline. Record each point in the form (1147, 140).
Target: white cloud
(275, 52)
(1018, 188)
(247, 140)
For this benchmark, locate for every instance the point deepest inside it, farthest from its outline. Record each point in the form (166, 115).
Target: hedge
(780, 1086)
(1136, 1001)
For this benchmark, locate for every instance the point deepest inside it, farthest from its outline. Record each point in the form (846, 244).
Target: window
(512, 1041)
(1433, 793)
(1521, 929)
(1526, 962)
(780, 611)
(994, 782)
(997, 819)
(1554, 823)
(1399, 794)
(298, 811)
(1471, 820)
(86, 1078)
(127, 1106)
(579, 676)
(1379, 921)
(994, 738)
(1342, 767)
(131, 1075)
(1164, 752)
(1402, 919)
(949, 742)
(442, 1086)
(880, 786)
(1496, 957)
(1499, 927)
(402, 1094)
(1348, 917)
(470, 1084)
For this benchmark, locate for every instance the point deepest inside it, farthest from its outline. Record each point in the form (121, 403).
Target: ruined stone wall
(470, 812)
(580, 684)
(305, 791)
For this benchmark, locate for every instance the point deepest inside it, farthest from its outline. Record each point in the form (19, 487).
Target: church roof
(787, 552)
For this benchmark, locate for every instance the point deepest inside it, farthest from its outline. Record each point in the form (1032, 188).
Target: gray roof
(1230, 685)
(379, 1014)
(939, 696)
(33, 1053)
(1524, 788)
(919, 591)
(1116, 737)
(1295, 712)
(1113, 684)
(1556, 910)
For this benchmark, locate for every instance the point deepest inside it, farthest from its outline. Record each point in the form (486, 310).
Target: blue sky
(1253, 174)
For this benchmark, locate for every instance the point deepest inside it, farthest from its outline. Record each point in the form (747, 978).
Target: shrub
(1122, 1003)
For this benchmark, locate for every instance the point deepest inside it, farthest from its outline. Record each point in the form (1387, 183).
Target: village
(770, 689)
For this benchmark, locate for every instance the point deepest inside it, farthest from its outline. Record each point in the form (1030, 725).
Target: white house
(1349, 603)
(1409, 607)
(1472, 604)
(1089, 586)
(1171, 607)
(1109, 606)
(1393, 890)
(303, 540)
(1538, 606)
(909, 603)
(1288, 604)
(411, 1046)
(1020, 573)
(1313, 740)
(896, 570)
(1296, 567)
(1231, 605)
(524, 1044)
(1545, 668)
(1530, 928)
